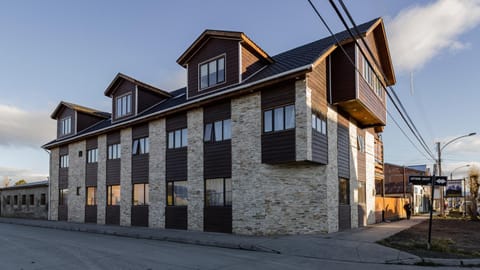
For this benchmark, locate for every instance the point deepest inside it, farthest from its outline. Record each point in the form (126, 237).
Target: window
(66, 125)
(278, 119)
(113, 195)
(362, 195)
(140, 194)
(43, 199)
(8, 200)
(91, 195)
(177, 138)
(64, 161)
(371, 78)
(177, 194)
(24, 199)
(212, 73)
(319, 124)
(32, 199)
(114, 151)
(221, 130)
(92, 155)
(124, 105)
(344, 191)
(15, 199)
(218, 192)
(62, 196)
(140, 146)
(361, 143)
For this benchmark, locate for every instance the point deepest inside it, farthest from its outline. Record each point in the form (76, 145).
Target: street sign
(440, 180)
(420, 180)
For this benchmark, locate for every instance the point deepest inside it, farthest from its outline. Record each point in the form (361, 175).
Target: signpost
(425, 181)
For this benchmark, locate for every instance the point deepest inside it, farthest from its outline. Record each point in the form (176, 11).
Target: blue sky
(71, 50)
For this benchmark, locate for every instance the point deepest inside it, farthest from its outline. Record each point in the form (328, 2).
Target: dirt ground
(451, 238)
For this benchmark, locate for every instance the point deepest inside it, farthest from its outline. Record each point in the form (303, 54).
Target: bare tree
(474, 176)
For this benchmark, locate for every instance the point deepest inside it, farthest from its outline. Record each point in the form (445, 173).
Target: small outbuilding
(25, 201)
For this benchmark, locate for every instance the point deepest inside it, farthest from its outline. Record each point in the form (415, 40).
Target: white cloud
(419, 33)
(25, 128)
(16, 174)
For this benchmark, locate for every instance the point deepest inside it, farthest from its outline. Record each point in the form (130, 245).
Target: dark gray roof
(283, 62)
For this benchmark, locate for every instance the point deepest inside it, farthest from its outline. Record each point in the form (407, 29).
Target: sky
(71, 50)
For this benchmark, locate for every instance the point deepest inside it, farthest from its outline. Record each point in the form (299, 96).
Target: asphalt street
(24, 247)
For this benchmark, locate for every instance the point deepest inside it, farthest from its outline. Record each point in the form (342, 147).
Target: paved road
(23, 247)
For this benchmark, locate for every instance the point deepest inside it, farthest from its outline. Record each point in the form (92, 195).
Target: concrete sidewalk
(357, 245)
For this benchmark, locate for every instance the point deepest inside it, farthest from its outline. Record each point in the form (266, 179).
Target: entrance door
(177, 200)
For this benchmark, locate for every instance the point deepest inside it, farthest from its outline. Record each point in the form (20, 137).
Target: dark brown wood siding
(319, 147)
(139, 215)
(176, 159)
(140, 162)
(217, 219)
(86, 120)
(63, 172)
(318, 83)
(66, 112)
(146, 99)
(343, 75)
(278, 147)
(125, 87)
(344, 217)
(90, 214)
(343, 147)
(112, 215)
(176, 217)
(251, 62)
(217, 155)
(113, 165)
(62, 212)
(212, 48)
(91, 173)
(372, 101)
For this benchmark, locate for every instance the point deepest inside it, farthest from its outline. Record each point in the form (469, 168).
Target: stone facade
(353, 175)
(35, 210)
(76, 182)
(126, 177)
(303, 126)
(53, 187)
(195, 169)
(370, 173)
(157, 180)
(101, 178)
(332, 171)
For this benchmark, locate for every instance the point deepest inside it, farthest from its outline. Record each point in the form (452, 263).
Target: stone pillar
(156, 172)
(248, 204)
(101, 179)
(353, 175)
(126, 177)
(195, 169)
(76, 181)
(53, 183)
(303, 127)
(332, 170)
(370, 176)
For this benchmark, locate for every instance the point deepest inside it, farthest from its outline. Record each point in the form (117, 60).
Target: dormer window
(212, 72)
(124, 105)
(66, 125)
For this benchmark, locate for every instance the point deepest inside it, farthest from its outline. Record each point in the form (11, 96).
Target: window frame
(116, 152)
(146, 194)
(140, 146)
(224, 192)
(172, 138)
(316, 120)
(62, 196)
(64, 161)
(65, 129)
(347, 191)
(361, 143)
(284, 117)
(43, 199)
(110, 197)
(92, 155)
(32, 199)
(127, 97)
(94, 196)
(206, 63)
(173, 195)
(213, 131)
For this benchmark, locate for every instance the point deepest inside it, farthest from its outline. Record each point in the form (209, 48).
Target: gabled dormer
(218, 59)
(72, 118)
(131, 97)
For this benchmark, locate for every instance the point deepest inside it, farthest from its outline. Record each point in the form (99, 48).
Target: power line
(358, 71)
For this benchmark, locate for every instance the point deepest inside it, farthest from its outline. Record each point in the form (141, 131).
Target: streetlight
(439, 150)
(451, 173)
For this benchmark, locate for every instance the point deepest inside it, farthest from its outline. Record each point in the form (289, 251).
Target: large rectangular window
(15, 199)
(218, 131)
(124, 105)
(372, 79)
(113, 195)
(319, 124)
(362, 195)
(140, 194)
(177, 193)
(218, 192)
(212, 73)
(43, 199)
(140, 146)
(91, 195)
(344, 191)
(32, 199)
(114, 151)
(66, 125)
(8, 200)
(24, 199)
(64, 161)
(62, 196)
(92, 155)
(177, 138)
(278, 119)
(361, 143)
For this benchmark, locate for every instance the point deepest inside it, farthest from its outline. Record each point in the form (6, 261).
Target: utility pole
(440, 189)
